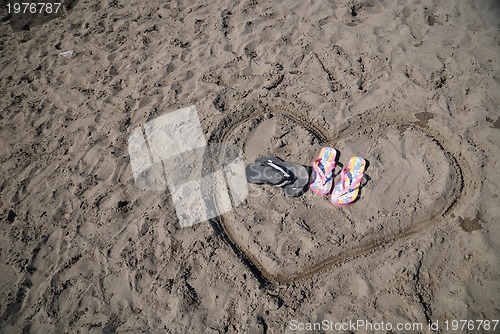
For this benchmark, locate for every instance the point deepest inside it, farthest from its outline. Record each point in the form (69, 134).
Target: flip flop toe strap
(287, 178)
(278, 168)
(322, 173)
(346, 174)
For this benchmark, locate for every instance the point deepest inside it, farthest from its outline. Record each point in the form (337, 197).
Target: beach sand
(411, 86)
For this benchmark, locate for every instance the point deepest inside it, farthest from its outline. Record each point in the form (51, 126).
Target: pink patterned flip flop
(346, 192)
(322, 178)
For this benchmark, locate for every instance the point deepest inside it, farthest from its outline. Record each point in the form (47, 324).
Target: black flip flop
(292, 177)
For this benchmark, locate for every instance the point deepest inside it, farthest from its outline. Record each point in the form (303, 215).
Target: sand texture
(411, 86)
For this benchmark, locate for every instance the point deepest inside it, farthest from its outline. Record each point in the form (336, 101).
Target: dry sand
(412, 86)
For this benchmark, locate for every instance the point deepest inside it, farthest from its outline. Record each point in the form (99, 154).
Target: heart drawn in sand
(413, 181)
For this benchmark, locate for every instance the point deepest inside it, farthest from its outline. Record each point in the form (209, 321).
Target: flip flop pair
(345, 192)
(292, 177)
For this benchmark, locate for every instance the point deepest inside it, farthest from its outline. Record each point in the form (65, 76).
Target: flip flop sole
(259, 174)
(294, 192)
